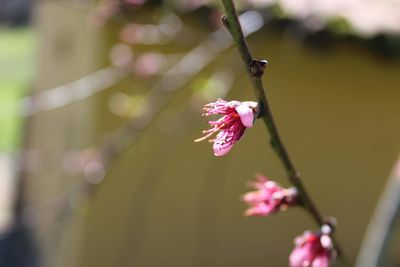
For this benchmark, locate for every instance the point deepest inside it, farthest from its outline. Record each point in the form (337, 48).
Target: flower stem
(255, 70)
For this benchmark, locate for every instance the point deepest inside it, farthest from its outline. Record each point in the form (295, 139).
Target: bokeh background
(100, 102)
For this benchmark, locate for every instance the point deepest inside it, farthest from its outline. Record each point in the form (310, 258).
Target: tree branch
(255, 69)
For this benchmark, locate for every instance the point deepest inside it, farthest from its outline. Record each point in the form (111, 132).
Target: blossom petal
(246, 115)
(260, 209)
(221, 148)
(256, 197)
(250, 104)
(300, 255)
(321, 261)
(234, 104)
(326, 242)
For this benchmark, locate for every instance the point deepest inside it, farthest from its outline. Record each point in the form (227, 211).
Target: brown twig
(255, 70)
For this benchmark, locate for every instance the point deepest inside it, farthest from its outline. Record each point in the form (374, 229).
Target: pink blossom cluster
(312, 249)
(269, 197)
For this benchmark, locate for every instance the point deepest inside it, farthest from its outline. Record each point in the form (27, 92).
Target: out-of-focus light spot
(146, 34)
(128, 106)
(94, 172)
(139, 106)
(103, 12)
(89, 155)
(170, 25)
(217, 86)
(149, 64)
(150, 35)
(121, 55)
(130, 33)
(119, 104)
(87, 162)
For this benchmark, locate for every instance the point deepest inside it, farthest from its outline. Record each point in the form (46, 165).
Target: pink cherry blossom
(237, 116)
(312, 250)
(268, 198)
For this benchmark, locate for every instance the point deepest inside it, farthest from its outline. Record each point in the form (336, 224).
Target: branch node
(257, 67)
(225, 22)
(330, 222)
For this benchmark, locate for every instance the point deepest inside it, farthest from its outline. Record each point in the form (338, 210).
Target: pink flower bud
(312, 250)
(268, 198)
(237, 116)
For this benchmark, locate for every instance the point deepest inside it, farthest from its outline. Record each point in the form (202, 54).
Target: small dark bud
(224, 20)
(257, 67)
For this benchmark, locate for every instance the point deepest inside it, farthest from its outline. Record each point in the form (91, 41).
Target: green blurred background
(102, 169)
(16, 55)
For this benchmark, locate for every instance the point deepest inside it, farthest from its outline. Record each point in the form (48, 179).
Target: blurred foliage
(16, 51)
(374, 23)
